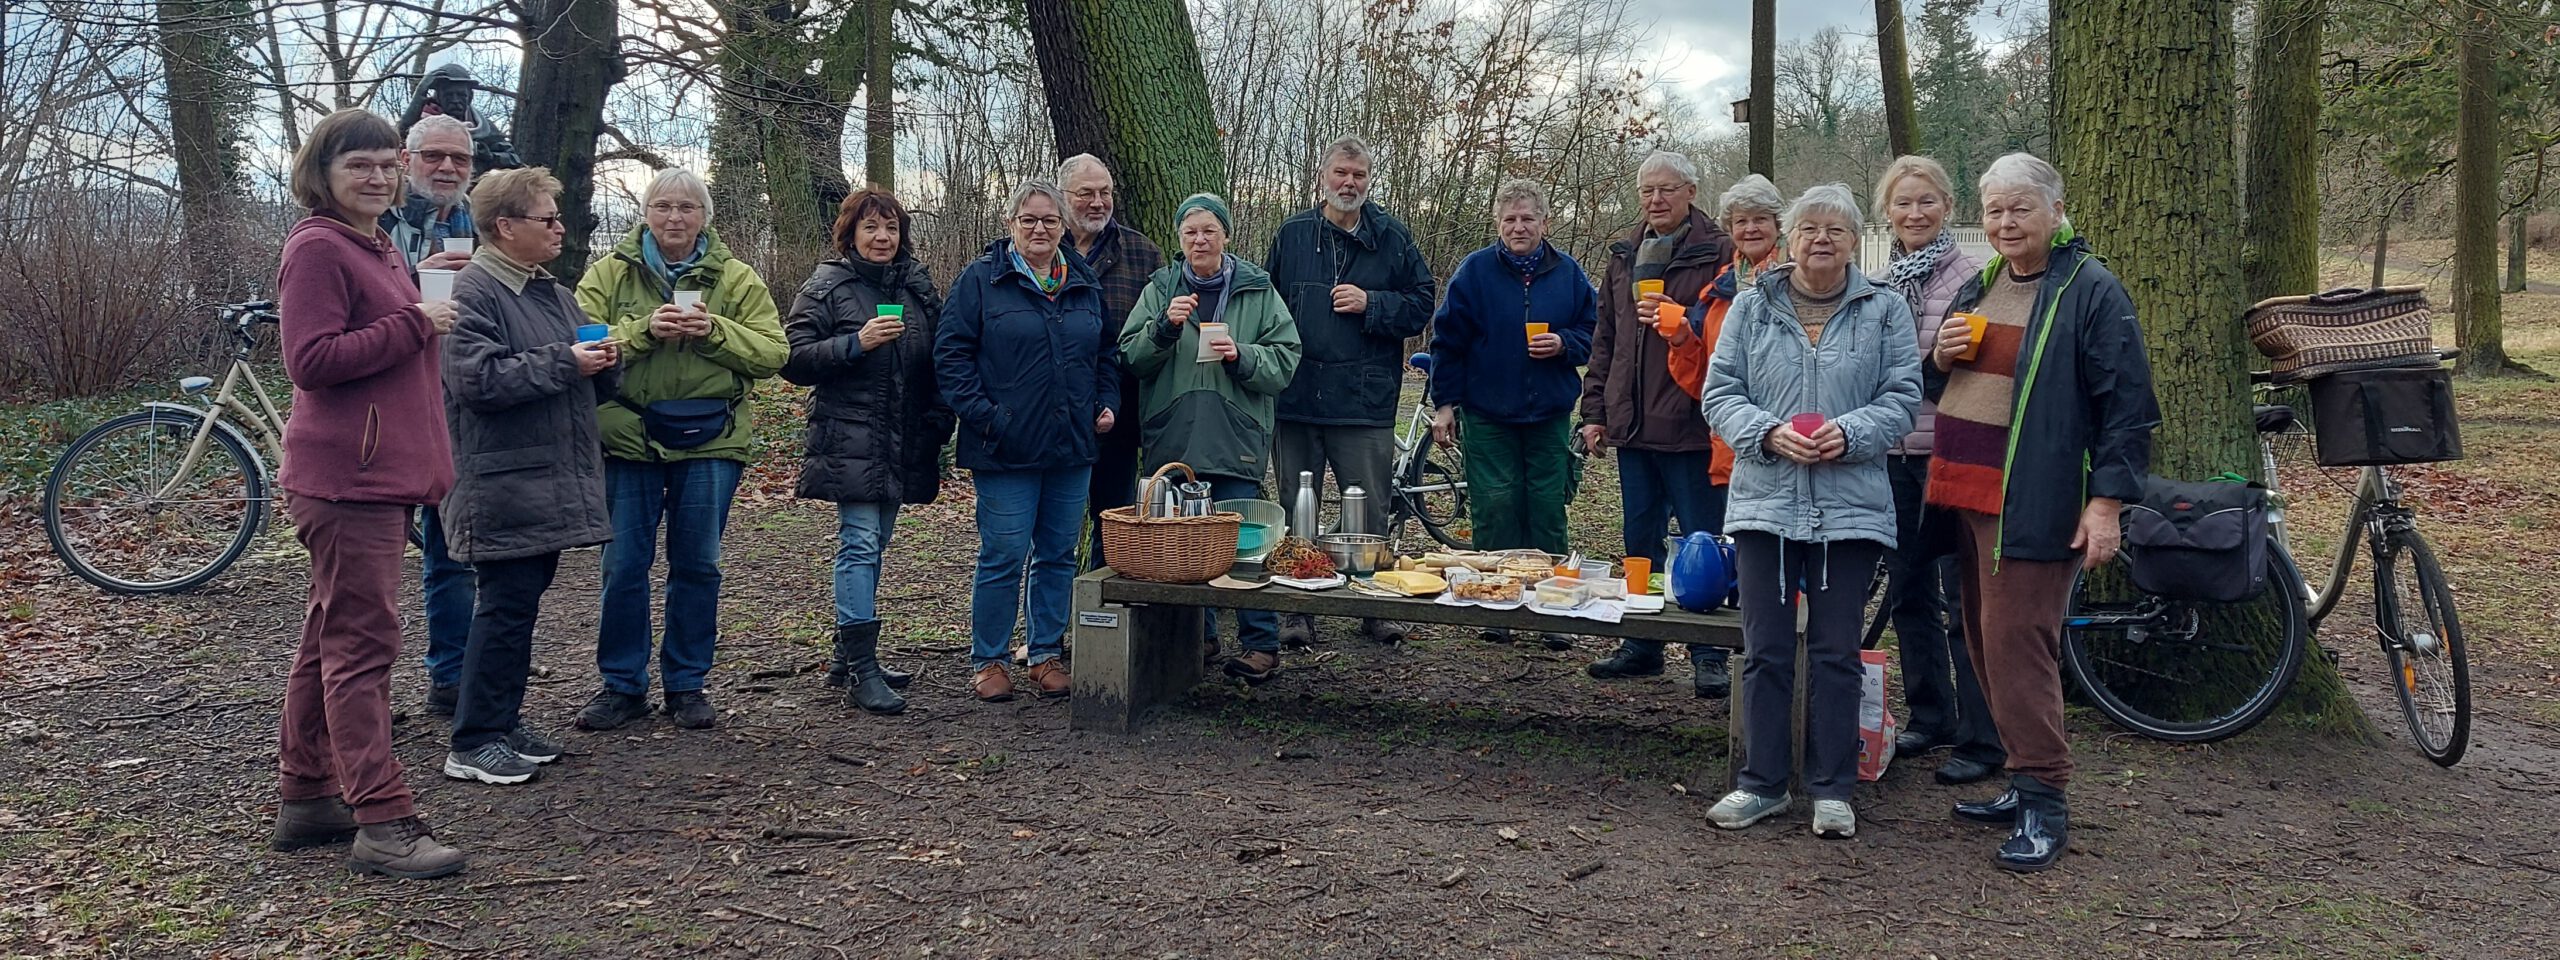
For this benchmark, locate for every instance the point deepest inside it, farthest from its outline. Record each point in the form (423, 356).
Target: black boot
(840, 668)
(1999, 811)
(1628, 660)
(1709, 677)
(2044, 831)
(869, 687)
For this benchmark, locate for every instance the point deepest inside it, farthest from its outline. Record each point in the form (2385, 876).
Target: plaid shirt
(1121, 261)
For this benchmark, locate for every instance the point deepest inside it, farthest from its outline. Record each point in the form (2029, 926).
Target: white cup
(1208, 332)
(688, 299)
(461, 245)
(435, 285)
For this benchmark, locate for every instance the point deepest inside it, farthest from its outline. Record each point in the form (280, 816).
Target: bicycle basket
(2381, 417)
(2343, 329)
(2204, 542)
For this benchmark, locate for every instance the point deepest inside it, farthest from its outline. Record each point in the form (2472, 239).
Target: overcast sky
(1706, 44)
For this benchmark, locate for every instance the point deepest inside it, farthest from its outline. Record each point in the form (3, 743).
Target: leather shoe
(1626, 662)
(1999, 811)
(2044, 831)
(1912, 743)
(1051, 678)
(1709, 680)
(992, 684)
(1961, 770)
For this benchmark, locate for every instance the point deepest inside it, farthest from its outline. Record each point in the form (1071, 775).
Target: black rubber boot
(2043, 832)
(869, 688)
(840, 669)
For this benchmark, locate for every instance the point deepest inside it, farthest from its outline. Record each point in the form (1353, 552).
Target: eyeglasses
(371, 171)
(663, 208)
(551, 222)
(1038, 223)
(440, 158)
(1814, 231)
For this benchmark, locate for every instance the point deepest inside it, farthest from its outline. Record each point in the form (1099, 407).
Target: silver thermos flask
(1303, 516)
(1355, 511)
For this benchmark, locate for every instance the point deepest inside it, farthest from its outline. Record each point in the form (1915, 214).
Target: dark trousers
(1115, 473)
(1833, 578)
(1361, 457)
(2013, 627)
(446, 585)
(335, 738)
(1656, 488)
(1939, 691)
(500, 654)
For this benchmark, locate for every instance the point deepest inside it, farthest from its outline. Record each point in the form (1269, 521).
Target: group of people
(1752, 380)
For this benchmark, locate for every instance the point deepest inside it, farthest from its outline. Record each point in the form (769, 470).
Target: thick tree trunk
(1764, 87)
(1893, 57)
(880, 123)
(2283, 253)
(572, 57)
(738, 207)
(1124, 84)
(2161, 75)
(2477, 326)
(2515, 252)
(794, 91)
(209, 101)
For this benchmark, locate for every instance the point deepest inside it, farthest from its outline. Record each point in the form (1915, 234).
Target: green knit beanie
(1204, 201)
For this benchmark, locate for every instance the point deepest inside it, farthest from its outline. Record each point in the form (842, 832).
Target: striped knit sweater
(1972, 439)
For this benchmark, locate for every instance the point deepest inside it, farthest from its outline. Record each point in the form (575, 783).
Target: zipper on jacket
(2018, 413)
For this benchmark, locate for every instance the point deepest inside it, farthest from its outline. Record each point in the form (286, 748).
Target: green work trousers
(1518, 480)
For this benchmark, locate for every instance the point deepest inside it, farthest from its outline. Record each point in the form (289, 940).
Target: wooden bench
(1137, 642)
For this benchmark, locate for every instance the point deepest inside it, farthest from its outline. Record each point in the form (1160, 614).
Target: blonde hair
(512, 193)
(1520, 191)
(1909, 166)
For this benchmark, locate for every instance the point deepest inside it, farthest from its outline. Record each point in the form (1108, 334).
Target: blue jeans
(862, 536)
(1657, 487)
(1034, 516)
(692, 496)
(450, 591)
(1255, 629)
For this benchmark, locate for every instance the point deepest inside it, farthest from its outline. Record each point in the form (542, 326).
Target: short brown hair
(338, 134)
(872, 201)
(511, 193)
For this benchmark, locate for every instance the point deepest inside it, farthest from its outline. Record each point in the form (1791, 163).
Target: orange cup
(1976, 323)
(1668, 317)
(1535, 329)
(1647, 286)
(1639, 576)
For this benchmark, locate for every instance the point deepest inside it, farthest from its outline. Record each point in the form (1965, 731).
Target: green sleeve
(595, 298)
(1266, 365)
(1140, 347)
(749, 340)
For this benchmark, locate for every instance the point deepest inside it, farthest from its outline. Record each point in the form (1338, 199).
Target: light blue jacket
(1865, 376)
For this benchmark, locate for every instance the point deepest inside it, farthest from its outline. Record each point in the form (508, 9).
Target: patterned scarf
(1526, 266)
(1910, 272)
(1048, 280)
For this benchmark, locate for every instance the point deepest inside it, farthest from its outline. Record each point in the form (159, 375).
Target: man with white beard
(1122, 259)
(1358, 288)
(438, 164)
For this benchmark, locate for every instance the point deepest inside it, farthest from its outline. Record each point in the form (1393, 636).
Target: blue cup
(593, 332)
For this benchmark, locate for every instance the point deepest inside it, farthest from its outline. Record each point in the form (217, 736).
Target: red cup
(1807, 423)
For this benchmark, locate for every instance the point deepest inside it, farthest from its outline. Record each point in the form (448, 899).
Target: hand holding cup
(880, 330)
(441, 315)
(595, 356)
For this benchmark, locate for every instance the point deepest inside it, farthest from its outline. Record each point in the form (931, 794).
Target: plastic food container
(1563, 593)
(1607, 588)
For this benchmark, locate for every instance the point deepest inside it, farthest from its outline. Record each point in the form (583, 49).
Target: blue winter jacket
(1026, 373)
(1480, 342)
(1864, 375)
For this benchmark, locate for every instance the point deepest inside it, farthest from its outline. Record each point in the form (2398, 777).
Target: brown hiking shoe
(1254, 666)
(303, 824)
(402, 848)
(1051, 677)
(993, 684)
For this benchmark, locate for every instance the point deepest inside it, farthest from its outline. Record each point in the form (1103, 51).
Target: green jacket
(1215, 417)
(745, 345)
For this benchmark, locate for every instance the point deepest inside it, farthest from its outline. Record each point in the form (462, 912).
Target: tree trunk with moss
(2283, 253)
(572, 58)
(1124, 84)
(880, 120)
(209, 101)
(2147, 151)
(2478, 328)
(1893, 58)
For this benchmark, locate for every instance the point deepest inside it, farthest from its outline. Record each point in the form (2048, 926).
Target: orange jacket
(1689, 362)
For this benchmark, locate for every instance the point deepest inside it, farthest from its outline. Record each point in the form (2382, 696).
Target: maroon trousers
(336, 738)
(2013, 629)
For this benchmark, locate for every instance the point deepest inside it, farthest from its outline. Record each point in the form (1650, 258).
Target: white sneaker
(1743, 808)
(1834, 820)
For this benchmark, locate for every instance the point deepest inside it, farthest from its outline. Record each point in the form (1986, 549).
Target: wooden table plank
(1721, 628)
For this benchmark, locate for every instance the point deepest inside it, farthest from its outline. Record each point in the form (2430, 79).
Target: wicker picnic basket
(2344, 329)
(1168, 549)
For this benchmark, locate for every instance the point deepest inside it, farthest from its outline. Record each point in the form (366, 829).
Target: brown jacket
(1628, 388)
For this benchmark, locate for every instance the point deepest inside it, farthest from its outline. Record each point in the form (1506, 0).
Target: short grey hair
(434, 122)
(678, 180)
(1034, 188)
(1677, 163)
(1069, 167)
(1520, 191)
(1752, 194)
(1348, 146)
(2023, 171)
(1830, 199)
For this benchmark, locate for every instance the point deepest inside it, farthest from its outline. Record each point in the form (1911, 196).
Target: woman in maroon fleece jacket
(365, 446)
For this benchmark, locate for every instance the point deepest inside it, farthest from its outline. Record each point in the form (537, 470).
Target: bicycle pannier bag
(2343, 329)
(2382, 417)
(683, 424)
(2202, 542)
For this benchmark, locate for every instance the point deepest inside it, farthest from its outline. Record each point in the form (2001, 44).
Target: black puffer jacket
(876, 423)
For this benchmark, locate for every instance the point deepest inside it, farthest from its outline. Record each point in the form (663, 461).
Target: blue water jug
(1702, 575)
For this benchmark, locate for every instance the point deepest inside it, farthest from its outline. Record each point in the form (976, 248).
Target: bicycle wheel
(2182, 670)
(2413, 611)
(109, 522)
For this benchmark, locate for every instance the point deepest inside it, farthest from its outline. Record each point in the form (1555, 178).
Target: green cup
(892, 310)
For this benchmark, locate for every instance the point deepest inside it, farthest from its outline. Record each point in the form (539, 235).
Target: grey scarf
(1910, 272)
(1212, 290)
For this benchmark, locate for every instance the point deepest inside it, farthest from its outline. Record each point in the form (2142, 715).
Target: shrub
(96, 292)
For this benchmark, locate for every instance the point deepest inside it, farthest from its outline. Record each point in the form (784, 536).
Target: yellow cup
(1976, 323)
(1535, 329)
(1647, 286)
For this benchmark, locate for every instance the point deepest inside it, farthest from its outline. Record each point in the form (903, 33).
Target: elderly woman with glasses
(698, 328)
(1030, 364)
(2043, 435)
(1814, 376)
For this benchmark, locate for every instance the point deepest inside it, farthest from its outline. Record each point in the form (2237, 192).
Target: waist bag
(2203, 542)
(683, 424)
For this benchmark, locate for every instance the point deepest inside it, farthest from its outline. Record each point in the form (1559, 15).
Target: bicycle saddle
(2274, 418)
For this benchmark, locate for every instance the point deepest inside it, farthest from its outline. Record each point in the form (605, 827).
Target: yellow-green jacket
(745, 345)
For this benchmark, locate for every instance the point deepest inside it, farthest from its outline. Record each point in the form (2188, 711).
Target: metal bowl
(1357, 554)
